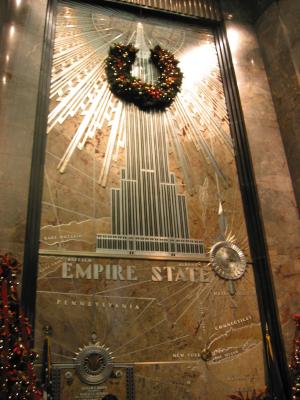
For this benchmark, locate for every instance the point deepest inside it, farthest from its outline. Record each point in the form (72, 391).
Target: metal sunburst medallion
(94, 364)
(228, 261)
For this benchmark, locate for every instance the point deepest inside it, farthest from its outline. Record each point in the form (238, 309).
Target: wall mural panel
(145, 274)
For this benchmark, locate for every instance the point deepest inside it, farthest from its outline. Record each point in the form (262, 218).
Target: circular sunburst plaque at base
(93, 364)
(228, 261)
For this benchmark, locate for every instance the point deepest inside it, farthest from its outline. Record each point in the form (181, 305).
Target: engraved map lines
(79, 88)
(172, 300)
(198, 117)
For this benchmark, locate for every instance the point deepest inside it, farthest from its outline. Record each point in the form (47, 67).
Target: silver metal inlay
(207, 9)
(93, 364)
(228, 260)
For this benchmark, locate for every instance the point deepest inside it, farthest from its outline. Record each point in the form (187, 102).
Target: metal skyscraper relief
(143, 241)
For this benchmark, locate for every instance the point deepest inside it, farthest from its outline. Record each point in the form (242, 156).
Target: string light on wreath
(146, 96)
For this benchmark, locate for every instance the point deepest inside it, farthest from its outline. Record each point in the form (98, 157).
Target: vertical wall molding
(276, 368)
(32, 233)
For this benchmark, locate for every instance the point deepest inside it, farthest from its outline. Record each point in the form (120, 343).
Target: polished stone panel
(279, 37)
(22, 23)
(156, 320)
(277, 200)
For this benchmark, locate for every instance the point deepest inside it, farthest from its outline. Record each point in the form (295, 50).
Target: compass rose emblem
(228, 261)
(94, 364)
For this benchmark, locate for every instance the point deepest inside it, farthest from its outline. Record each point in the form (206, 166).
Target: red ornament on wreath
(146, 96)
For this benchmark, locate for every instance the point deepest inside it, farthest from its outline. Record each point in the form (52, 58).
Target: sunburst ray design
(197, 122)
(93, 159)
(79, 87)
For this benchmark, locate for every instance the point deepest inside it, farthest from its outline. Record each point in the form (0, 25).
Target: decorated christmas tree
(17, 376)
(295, 362)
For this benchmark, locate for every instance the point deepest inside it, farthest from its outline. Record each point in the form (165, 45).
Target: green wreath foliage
(128, 88)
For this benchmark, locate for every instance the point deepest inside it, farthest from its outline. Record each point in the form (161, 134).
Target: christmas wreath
(146, 96)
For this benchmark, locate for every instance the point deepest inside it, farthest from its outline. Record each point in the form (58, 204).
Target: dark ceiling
(258, 6)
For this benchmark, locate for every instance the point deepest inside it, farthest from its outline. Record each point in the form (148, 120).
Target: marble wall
(22, 24)
(279, 38)
(277, 200)
(21, 40)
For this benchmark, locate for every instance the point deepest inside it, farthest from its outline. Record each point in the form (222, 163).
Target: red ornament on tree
(295, 362)
(17, 376)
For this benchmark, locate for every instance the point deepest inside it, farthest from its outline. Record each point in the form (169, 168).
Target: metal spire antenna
(142, 68)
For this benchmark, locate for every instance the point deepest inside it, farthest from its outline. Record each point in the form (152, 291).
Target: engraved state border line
(230, 331)
(250, 347)
(151, 347)
(93, 295)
